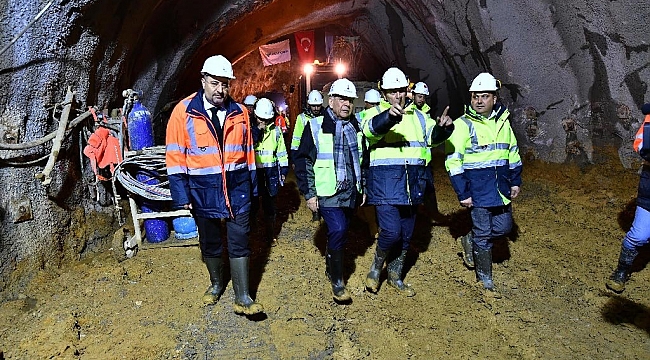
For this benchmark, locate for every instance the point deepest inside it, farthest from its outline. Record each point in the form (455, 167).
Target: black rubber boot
(372, 280)
(315, 216)
(334, 271)
(466, 246)
(243, 302)
(619, 277)
(483, 263)
(395, 275)
(213, 293)
(269, 231)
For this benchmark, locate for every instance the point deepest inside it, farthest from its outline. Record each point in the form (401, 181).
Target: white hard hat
(250, 100)
(343, 87)
(421, 88)
(484, 82)
(394, 78)
(315, 98)
(372, 96)
(218, 66)
(264, 109)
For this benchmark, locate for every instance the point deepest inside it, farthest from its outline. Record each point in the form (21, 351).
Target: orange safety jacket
(217, 180)
(281, 122)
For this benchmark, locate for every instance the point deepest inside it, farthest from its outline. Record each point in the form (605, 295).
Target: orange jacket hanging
(218, 182)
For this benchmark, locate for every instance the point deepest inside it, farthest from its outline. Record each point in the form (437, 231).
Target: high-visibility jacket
(399, 152)
(298, 128)
(642, 146)
(271, 159)
(324, 167)
(483, 159)
(218, 181)
(426, 109)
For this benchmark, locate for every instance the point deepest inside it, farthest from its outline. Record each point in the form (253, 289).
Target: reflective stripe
(455, 155)
(413, 161)
(233, 167)
(324, 156)
(264, 152)
(267, 165)
(204, 171)
(175, 147)
(485, 164)
(489, 147)
(235, 148)
(176, 170)
(206, 150)
(514, 165)
(454, 172)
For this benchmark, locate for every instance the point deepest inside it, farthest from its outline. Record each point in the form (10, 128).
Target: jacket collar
(196, 107)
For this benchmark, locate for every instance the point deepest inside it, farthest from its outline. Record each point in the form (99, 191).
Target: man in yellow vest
(272, 165)
(328, 169)
(484, 167)
(314, 108)
(399, 138)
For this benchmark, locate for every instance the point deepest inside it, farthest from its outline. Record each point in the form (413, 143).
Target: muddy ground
(550, 274)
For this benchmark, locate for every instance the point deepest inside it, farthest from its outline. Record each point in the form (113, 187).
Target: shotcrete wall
(574, 75)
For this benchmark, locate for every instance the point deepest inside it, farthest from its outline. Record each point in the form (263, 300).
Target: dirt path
(570, 222)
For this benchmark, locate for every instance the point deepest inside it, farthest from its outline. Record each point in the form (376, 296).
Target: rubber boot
(315, 216)
(372, 280)
(213, 293)
(466, 246)
(334, 271)
(395, 275)
(243, 302)
(618, 278)
(483, 264)
(269, 231)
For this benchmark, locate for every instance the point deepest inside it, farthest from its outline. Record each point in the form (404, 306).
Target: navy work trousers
(237, 231)
(337, 221)
(490, 223)
(396, 225)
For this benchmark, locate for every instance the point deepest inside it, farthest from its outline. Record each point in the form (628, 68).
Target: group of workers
(222, 157)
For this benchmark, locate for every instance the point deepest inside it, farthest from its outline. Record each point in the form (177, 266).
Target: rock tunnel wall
(574, 74)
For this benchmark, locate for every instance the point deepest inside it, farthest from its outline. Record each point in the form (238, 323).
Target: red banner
(305, 45)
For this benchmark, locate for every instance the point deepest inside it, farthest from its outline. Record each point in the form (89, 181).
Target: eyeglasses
(215, 84)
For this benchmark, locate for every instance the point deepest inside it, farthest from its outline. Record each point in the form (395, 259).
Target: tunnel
(573, 75)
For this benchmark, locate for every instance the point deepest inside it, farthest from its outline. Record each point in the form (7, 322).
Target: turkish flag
(305, 45)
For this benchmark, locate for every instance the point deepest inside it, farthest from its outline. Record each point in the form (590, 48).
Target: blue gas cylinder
(140, 129)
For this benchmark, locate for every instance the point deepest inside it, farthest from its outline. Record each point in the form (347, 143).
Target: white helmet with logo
(484, 82)
(250, 100)
(343, 87)
(264, 109)
(421, 88)
(218, 66)
(372, 96)
(315, 98)
(394, 78)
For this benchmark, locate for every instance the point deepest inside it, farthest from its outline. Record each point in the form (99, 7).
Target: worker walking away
(639, 234)
(314, 108)
(398, 141)
(272, 167)
(366, 213)
(211, 169)
(328, 168)
(484, 166)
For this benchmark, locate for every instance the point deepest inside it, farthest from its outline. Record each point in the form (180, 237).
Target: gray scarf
(345, 132)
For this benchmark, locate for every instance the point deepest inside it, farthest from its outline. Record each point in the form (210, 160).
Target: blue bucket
(185, 228)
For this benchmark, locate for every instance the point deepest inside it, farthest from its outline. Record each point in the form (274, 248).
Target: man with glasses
(211, 169)
(484, 166)
(328, 168)
(399, 138)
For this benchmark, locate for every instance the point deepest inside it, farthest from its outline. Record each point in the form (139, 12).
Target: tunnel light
(340, 69)
(308, 69)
